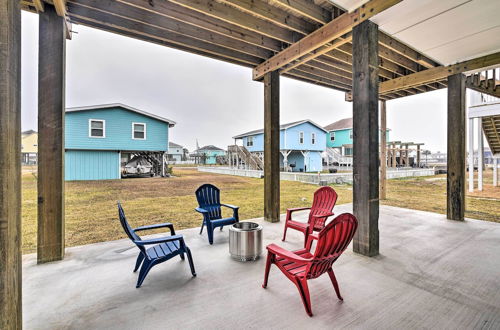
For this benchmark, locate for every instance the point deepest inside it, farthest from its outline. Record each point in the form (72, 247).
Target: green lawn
(91, 214)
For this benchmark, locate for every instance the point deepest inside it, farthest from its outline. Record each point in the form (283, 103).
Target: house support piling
(10, 165)
(272, 146)
(366, 138)
(51, 107)
(456, 148)
(383, 150)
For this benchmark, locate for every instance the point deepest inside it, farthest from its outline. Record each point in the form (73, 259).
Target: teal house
(340, 137)
(301, 145)
(100, 139)
(208, 155)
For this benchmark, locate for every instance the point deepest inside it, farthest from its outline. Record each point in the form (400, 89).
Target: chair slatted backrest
(323, 202)
(332, 241)
(208, 197)
(126, 227)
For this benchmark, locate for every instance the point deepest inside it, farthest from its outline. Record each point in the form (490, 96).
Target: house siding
(118, 132)
(211, 156)
(343, 137)
(91, 165)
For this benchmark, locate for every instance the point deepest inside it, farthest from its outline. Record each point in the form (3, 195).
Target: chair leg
(190, 259)
(146, 267)
(304, 294)
(210, 232)
(221, 228)
(202, 225)
(335, 283)
(182, 256)
(140, 258)
(284, 232)
(306, 238)
(268, 268)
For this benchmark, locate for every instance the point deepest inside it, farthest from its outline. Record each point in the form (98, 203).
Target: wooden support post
(10, 165)
(495, 172)
(272, 146)
(471, 154)
(394, 155)
(456, 148)
(51, 72)
(480, 154)
(366, 137)
(407, 156)
(383, 150)
(418, 155)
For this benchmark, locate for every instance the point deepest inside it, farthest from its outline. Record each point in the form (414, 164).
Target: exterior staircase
(244, 158)
(335, 156)
(491, 130)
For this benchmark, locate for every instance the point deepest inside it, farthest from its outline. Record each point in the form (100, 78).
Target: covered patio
(431, 273)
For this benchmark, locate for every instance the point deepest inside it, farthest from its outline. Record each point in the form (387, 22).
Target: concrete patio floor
(431, 273)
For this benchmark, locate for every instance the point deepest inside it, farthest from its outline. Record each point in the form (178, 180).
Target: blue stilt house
(100, 139)
(301, 145)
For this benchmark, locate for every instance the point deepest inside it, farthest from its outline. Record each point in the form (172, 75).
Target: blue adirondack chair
(208, 197)
(162, 249)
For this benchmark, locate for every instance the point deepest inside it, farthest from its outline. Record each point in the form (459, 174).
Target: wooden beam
(39, 5)
(306, 8)
(366, 138)
(51, 108)
(272, 147)
(456, 148)
(329, 32)
(10, 166)
(120, 14)
(59, 5)
(195, 18)
(438, 73)
(273, 14)
(234, 16)
(383, 150)
(405, 50)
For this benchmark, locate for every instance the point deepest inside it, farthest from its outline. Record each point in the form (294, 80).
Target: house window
(250, 141)
(301, 137)
(138, 131)
(313, 138)
(332, 136)
(97, 128)
(350, 134)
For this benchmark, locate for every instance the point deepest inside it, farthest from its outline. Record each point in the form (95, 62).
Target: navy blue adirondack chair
(162, 249)
(208, 197)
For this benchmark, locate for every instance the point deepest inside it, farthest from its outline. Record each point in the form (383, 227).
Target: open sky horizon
(210, 100)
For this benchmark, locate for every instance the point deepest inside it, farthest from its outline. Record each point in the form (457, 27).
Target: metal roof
(171, 123)
(282, 127)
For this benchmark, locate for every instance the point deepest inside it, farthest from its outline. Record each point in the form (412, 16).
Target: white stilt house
(484, 122)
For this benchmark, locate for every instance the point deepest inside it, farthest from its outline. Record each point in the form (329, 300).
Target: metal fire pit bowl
(245, 241)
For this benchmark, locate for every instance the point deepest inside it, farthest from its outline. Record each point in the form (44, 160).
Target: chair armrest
(201, 210)
(298, 209)
(323, 215)
(156, 226)
(230, 206)
(159, 240)
(279, 251)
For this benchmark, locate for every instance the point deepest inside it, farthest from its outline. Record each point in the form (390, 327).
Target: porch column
(272, 146)
(51, 72)
(394, 155)
(456, 148)
(10, 165)
(407, 156)
(480, 154)
(418, 155)
(383, 150)
(495, 172)
(471, 154)
(366, 137)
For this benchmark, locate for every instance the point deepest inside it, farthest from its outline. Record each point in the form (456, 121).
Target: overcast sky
(209, 99)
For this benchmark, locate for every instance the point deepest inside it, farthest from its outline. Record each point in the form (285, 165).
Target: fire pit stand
(245, 241)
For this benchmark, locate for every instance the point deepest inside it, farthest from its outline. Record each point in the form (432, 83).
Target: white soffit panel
(447, 30)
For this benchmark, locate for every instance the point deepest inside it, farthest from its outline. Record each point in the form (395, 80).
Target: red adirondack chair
(302, 265)
(323, 203)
